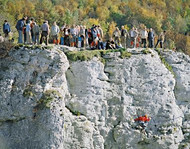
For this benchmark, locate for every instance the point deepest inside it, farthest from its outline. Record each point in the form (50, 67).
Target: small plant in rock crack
(48, 97)
(28, 93)
(146, 51)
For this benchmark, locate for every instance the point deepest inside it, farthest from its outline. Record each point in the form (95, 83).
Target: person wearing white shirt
(55, 33)
(144, 35)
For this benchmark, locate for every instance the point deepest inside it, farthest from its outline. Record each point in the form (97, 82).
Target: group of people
(138, 38)
(79, 36)
(29, 31)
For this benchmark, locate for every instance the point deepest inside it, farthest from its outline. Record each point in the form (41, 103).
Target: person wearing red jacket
(142, 121)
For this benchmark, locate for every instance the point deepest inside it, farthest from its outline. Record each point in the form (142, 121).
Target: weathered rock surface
(47, 102)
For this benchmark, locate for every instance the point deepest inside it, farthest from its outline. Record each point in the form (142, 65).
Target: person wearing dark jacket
(19, 26)
(110, 44)
(6, 28)
(151, 38)
(124, 35)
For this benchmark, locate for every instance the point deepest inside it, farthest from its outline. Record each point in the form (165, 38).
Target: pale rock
(48, 102)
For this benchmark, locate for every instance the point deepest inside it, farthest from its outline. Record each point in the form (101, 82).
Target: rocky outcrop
(50, 102)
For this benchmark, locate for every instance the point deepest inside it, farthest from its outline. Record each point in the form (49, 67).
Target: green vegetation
(88, 55)
(76, 113)
(146, 51)
(82, 55)
(28, 93)
(48, 97)
(167, 65)
(125, 54)
(183, 146)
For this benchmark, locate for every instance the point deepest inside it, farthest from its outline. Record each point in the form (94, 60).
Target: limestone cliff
(48, 101)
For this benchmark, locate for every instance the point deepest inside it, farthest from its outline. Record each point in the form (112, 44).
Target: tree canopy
(170, 15)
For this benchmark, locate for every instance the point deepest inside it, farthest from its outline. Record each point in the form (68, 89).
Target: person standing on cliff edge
(19, 26)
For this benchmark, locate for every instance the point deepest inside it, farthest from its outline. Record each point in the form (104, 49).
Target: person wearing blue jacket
(19, 26)
(6, 28)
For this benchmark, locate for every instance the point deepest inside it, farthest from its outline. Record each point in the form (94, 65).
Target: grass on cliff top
(146, 51)
(167, 65)
(33, 47)
(89, 54)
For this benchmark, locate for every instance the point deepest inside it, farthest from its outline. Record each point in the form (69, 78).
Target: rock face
(49, 102)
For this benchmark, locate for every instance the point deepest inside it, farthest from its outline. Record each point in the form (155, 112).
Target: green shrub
(48, 97)
(83, 55)
(76, 113)
(88, 55)
(146, 51)
(28, 93)
(125, 54)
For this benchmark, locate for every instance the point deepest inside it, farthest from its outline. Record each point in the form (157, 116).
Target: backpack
(36, 29)
(19, 25)
(6, 28)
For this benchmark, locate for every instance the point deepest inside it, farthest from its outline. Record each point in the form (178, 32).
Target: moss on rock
(88, 55)
(48, 97)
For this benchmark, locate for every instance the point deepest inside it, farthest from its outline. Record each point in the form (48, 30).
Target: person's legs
(118, 41)
(37, 39)
(132, 42)
(46, 38)
(20, 40)
(6, 34)
(32, 37)
(152, 43)
(25, 37)
(144, 43)
(28, 39)
(135, 42)
(123, 42)
(41, 39)
(149, 43)
(82, 42)
(66, 40)
(86, 42)
(157, 43)
(161, 44)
